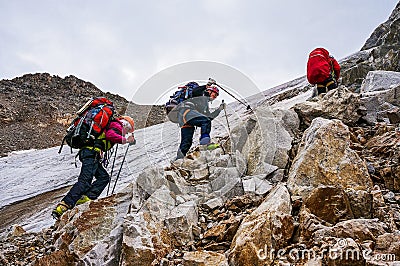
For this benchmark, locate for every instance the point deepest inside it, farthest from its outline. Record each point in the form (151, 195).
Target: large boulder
(226, 182)
(149, 180)
(265, 138)
(378, 81)
(92, 232)
(325, 158)
(269, 227)
(145, 239)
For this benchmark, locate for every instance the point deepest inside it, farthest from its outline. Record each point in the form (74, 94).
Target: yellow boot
(60, 209)
(212, 146)
(83, 199)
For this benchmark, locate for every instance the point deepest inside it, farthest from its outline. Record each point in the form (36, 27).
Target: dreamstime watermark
(341, 251)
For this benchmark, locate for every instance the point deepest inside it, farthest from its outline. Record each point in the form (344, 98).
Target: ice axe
(230, 94)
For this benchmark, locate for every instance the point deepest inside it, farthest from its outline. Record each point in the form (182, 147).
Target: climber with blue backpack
(189, 108)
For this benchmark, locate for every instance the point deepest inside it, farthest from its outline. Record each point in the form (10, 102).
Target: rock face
(324, 157)
(380, 93)
(265, 139)
(378, 53)
(385, 34)
(92, 232)
(269, 227)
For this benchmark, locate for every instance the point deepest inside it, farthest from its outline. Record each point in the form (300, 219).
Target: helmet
(192, 85)
(213, 89)
(130, 121)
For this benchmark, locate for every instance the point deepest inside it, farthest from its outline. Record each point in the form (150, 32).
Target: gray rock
(380, 96)
(160, 203)
(180, 222)
(377, 81)
(232, 188)
(256, 185)
(150, 180)
(221, 176)
(213, 203)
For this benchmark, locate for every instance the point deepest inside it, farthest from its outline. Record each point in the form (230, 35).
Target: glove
(211, 82)
(131, 140)
(221, 106)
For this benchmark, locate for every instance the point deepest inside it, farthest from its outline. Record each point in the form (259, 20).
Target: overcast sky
(120, 45)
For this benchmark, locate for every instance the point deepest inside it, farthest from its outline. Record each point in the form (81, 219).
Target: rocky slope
(294, 188)
(36, 109)
(297, 182)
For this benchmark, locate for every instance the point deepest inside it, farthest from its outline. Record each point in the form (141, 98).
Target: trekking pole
(120, 168)
(229, 129)
(227, 121)
(233, 96)
(112, 168)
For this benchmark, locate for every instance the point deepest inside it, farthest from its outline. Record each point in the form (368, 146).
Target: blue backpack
(178, 97)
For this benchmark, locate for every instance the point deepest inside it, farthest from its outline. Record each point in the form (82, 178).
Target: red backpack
(92, 119)
(320, 66)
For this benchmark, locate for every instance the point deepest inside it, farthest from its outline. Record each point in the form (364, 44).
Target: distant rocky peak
(387, 33)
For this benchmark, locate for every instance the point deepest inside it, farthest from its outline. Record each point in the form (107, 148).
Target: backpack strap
(332, 69)
(184, 115)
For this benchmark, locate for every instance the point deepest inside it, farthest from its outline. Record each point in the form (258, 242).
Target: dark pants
(191, 120)
(91, 167)
(327, 85)
(186, 141)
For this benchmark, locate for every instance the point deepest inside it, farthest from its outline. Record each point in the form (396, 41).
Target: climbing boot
(212, 146)
(83, 199)
(59, 210)
(209, 147)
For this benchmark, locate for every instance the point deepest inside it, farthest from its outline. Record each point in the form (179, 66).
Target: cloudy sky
(120, 45)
